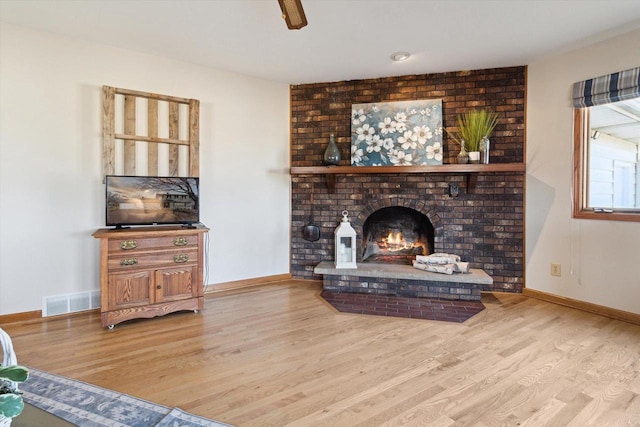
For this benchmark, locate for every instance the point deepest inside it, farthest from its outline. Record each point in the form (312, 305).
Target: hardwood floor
(278, 355)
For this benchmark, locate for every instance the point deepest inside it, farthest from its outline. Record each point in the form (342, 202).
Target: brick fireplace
(484, 225)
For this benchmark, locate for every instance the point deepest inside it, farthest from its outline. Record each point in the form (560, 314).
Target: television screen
(149, 200)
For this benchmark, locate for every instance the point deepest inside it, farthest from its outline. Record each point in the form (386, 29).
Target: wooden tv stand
(150, 271)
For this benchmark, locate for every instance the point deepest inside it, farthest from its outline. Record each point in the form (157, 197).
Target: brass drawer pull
(180, 241)
(180, 258)
(129, 261)
(128, 244)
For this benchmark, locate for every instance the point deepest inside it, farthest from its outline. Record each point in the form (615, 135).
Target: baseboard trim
(28, 316)
(613, 313)
(21, 317)
(209, 289)
(246, 283)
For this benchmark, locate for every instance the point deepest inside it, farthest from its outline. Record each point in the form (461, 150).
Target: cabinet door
(131, 289)
(176, 283)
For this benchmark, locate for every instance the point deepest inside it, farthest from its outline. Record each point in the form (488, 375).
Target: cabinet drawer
(165, 242)
(133, 261)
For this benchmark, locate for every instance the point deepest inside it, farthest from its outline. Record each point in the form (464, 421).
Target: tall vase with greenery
(473, 126)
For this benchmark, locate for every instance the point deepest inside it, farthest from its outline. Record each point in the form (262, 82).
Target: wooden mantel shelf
(470, 170)
(449, 168)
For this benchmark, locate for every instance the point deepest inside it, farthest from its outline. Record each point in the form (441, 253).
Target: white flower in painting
(375, 144)
(356, 154)
(399, 157)
(406, 160)
(408, 140)
(388, 144)
(387, 126)
(357, 116)
(435, 151)
(400, 117)
(422, 133)
(413, 112)
(365, 132)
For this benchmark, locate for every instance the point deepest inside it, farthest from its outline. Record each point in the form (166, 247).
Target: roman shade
(606, 89)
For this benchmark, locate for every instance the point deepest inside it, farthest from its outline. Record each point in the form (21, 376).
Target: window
(607, 147)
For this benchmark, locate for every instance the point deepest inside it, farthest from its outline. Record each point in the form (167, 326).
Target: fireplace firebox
(395, 235)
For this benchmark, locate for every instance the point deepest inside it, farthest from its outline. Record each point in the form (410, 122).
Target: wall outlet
(556, 270)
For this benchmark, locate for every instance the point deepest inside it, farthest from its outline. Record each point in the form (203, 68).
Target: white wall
(600, 259)
(51, 192)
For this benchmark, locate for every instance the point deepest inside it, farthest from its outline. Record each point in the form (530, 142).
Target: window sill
(606, 216)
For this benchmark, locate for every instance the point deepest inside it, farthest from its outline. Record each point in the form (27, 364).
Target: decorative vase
(332, 154)
(463, 156)
(474, 157)
(484, 150)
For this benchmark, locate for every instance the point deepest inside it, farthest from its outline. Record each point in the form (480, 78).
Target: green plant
(473, 126)
(11, 403)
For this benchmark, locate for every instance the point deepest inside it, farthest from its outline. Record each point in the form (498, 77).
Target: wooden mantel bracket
(330, 181)
(472, 181)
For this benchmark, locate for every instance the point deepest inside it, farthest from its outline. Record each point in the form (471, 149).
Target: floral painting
(403, 133)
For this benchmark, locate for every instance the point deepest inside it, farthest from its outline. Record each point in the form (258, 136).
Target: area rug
(87, 405)
(394, 306)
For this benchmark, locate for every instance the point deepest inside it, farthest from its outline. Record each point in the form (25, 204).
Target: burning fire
(394, 241)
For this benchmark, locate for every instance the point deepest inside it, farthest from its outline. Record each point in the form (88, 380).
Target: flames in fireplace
(394, 241)
(394, 248)
(396, 235)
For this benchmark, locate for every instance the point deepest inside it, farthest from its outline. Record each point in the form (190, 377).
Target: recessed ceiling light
(400, 56)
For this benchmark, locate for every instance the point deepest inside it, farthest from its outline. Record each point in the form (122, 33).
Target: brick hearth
(415, 308)
(484, 226)
(403, 280)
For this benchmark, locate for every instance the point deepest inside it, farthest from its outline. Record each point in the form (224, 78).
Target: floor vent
(70, 303)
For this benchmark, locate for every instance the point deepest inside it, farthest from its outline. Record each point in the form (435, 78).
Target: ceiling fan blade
(293, 14)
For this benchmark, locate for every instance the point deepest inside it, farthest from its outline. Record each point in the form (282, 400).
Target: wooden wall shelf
(470, 170)
(449, 168)
(129, 135)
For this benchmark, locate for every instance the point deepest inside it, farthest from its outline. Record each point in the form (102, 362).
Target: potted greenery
(11, 403)
(473, 126)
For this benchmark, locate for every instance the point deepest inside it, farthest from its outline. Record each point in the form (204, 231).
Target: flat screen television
(151, 200)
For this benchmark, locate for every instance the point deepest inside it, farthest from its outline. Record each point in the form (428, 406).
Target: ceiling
(345, 39)
(620, 120)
